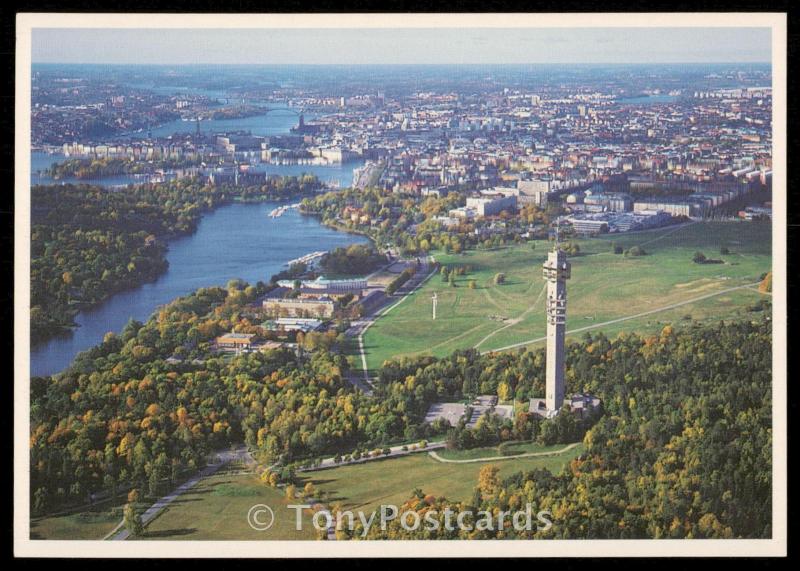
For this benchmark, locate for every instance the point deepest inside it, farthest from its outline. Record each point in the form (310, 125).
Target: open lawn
(217, 509)
(93, 523)
(507, 449)
(390, 482)
(604, 287)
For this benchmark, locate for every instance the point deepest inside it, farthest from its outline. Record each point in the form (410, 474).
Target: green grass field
(94, 523)
(217, 508)
(509, 449)
(604, 286)
(390, 482)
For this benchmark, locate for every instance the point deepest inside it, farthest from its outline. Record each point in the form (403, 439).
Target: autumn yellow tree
(766, 284)
(488, 482)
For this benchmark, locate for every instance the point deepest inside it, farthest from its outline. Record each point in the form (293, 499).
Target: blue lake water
(341, 175)
(41, 161)
(170, 90)
(234, 241)
(276, 122)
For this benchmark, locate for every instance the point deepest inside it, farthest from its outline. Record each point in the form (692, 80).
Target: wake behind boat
(281, 210)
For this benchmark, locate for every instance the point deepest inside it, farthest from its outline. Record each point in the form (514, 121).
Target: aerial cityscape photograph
(352, 284)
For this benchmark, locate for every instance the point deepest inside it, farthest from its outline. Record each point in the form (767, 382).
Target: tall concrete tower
(556, 272)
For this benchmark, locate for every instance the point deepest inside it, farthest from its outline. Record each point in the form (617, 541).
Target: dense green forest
(121, 416)
(355, 260)
(683, 448)
(88, 242)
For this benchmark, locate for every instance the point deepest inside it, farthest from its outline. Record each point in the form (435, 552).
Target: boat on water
(307, 259)
(281, 210)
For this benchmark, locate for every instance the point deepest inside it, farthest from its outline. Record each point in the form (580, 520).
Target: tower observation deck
(556, 271)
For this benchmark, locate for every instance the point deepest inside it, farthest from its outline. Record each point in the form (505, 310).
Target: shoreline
(166, 238)
(338, 227)
(65, 331)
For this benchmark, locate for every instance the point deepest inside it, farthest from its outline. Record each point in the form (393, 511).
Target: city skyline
(444, 266)
(457, 46)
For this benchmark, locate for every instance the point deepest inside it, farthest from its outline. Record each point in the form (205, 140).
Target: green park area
(390, 482)
(92, 523)
(217, 508)
(506, 449)
(608, 291)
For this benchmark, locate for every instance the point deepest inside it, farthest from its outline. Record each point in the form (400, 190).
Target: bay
(278, 121)
(235, 241)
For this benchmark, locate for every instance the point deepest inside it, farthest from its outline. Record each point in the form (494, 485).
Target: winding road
(438, 458)
(394, 451)
(220, 459)
(360, 327)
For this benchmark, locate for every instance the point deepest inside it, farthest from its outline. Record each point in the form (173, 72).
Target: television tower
(434, 299)
(556, 272)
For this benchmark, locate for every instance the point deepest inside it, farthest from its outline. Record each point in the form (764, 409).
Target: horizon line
(759, 62)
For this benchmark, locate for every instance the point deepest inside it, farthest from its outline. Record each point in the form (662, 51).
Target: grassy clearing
(217, 508)
(604, 286)
(509, 449)
(94, 523)
(370, 485)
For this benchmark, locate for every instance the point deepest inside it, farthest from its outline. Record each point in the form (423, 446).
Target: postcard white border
(25, 547)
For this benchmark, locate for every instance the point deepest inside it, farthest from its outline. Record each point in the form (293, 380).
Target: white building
(535, 192)
(491, 205)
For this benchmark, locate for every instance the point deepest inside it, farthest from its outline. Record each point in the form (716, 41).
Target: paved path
(755, 288)
(514, 321)
(394, 451)
(360, 327)
(671, 231)
(621, 319)
(435, 456)
(358, 380)
(220, 459)
(329, 463)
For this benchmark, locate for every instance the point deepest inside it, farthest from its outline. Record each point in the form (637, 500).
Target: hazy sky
(402, 46)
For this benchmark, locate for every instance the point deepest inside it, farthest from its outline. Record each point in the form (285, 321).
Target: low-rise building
(536, 192)
(322, 308)
(673, 207)
(293, 324)
(462, 213)
(581, 405)
(491, 205)
(588, 226)
(325, 285)
(235, 341)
